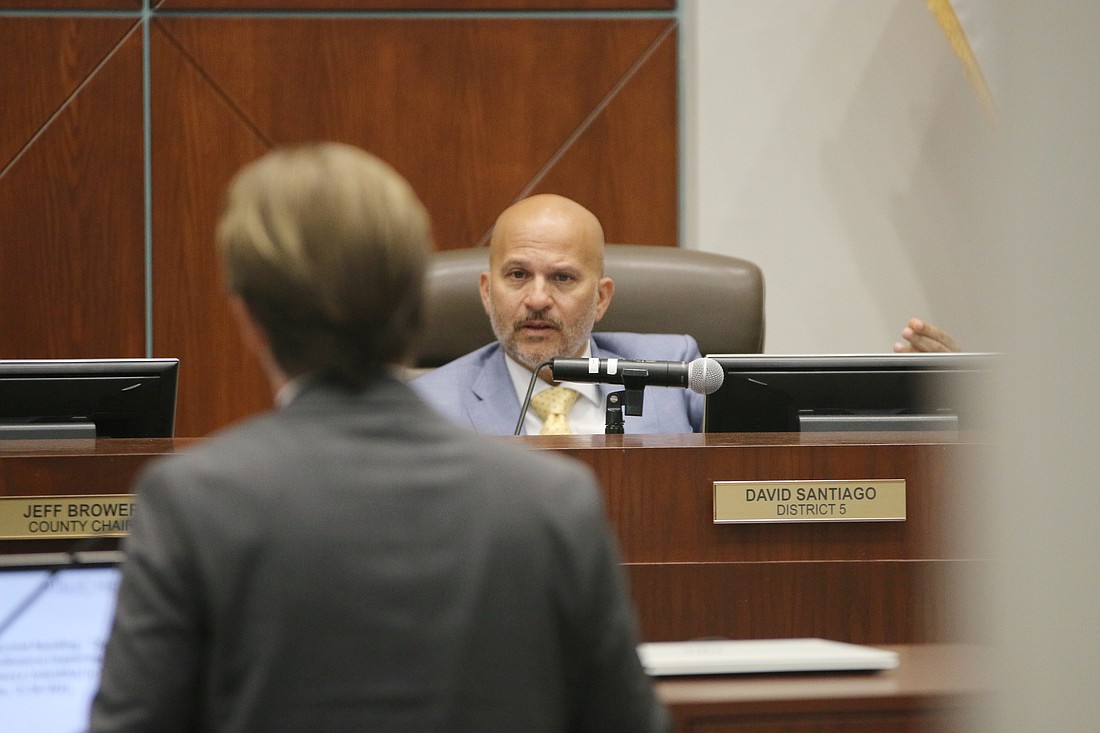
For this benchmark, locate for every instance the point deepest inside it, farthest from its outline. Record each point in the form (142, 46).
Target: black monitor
(854, 392)
(88, 398)
(55, 617)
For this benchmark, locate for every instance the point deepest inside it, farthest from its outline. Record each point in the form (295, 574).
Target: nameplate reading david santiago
(863, 500)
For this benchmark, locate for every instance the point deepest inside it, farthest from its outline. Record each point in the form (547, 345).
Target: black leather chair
(716, 298)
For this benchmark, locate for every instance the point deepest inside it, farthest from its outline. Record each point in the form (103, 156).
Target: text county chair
(715, 298)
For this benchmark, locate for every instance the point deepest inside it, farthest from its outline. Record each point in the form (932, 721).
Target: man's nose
(538, 294)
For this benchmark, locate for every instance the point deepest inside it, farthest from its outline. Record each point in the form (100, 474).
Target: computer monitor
(88, 398)
(55, 616)
(851, 392)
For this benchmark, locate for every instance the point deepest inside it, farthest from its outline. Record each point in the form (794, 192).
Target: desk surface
(159, 446)
(934, 687)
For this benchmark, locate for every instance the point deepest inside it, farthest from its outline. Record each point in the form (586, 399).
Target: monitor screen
(55, 616)
(88, 398)
(820, 393)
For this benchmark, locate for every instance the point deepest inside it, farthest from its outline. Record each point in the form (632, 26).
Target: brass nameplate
(62, 517)
(869, 500)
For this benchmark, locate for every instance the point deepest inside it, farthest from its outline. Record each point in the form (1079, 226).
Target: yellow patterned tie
(552, 405)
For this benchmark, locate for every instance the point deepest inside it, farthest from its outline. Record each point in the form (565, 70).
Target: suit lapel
(492, 404)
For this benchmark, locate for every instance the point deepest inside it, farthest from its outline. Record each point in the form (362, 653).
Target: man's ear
(483, 288)
(256, 340)
(604, 291)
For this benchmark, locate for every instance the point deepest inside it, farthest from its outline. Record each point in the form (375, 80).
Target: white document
(748, 656)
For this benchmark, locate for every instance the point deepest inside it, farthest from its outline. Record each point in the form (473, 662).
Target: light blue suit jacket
(476, 390)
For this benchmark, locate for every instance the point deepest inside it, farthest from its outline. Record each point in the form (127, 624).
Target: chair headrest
(717, 299)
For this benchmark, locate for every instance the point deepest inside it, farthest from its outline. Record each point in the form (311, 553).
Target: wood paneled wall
(478, 105)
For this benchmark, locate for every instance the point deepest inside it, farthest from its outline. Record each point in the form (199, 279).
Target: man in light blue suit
(543, 292)
(476, 390)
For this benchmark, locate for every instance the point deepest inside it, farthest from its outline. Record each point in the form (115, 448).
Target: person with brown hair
(351, 561)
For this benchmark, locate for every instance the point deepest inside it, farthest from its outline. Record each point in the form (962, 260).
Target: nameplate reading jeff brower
(869, 500)
(62, 517)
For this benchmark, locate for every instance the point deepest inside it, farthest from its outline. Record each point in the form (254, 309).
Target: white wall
(829, 141)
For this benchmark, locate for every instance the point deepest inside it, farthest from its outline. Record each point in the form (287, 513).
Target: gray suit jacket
(476, 390)
(353, 563)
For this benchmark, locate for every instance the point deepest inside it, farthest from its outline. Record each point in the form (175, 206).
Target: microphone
(703, 375)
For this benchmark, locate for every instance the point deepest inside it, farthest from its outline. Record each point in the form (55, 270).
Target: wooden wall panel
(884, 602)
(199, 142)
(625, 163)
(773, 586)
(476, 110)
(865, 582)
(421, 4)
(71, 204)
(473, 111)
(677, 526)
(42, 62)
(71, 4)
(469, 110)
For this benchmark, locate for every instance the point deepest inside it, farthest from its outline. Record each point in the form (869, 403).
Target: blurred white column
(1042, 209)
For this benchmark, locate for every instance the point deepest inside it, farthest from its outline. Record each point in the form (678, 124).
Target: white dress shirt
(588, 414)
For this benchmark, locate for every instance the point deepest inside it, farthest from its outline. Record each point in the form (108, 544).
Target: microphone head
(705, 375)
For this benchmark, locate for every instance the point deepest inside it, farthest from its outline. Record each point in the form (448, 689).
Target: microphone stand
(530, 391)
(628, 401)
(613, 413)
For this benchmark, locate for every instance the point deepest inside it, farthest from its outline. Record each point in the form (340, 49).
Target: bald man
(544, 291)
